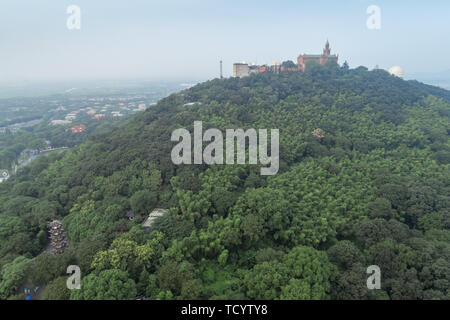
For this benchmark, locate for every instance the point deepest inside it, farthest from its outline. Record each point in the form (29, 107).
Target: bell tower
(327, 50)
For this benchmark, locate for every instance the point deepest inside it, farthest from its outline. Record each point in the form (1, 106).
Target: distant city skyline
(175, 39)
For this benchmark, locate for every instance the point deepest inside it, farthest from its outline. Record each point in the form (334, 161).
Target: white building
(116, 114)
(396, 71)
(241, 70)
(60, 122)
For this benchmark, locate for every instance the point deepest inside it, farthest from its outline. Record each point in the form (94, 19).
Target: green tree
(57, 290)
(143, 201)
(13, 274)
(107, 285)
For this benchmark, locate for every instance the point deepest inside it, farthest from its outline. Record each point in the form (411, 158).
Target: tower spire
(327, 50)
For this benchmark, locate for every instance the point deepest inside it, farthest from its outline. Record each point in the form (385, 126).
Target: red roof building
(78, 129)
(262, 69)
(99, 116)
(320, 58)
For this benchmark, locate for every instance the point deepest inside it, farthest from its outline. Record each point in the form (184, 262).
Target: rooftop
(156, 213)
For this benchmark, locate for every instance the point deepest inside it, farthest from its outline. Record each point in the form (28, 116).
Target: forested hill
(364, 180)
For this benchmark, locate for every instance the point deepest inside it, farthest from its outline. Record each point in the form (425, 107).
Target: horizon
(47, 88)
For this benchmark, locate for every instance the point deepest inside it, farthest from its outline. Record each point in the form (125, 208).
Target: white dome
(396, 71)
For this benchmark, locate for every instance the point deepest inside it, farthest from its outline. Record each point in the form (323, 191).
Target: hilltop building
(244, 69)
(396, 71)
(241, 70)
(320, 58)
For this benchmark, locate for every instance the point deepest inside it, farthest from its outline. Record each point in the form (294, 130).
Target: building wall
(303, 59)
(262, 69)
(240, 70)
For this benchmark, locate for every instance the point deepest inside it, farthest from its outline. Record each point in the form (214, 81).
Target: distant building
(60, 122)
(116, 114)
(275, 67)
(99, 116)
(320, 58)
(262, 68)
(396, 71)
(244, 69)
(48, 145)
(240, 70)
(70, 117)
(78, 129)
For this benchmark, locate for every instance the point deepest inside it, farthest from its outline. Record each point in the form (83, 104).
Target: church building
(320, 58)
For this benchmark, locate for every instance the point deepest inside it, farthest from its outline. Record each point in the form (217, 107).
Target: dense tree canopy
(364, 180)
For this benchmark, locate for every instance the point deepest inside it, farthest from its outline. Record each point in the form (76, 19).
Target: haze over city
(187, 39)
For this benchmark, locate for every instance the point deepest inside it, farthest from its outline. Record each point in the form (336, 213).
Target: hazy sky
(167, 39)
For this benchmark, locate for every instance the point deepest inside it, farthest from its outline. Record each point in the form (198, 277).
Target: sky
(174, 39)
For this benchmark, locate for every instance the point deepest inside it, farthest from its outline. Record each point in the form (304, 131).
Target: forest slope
(373, 190)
